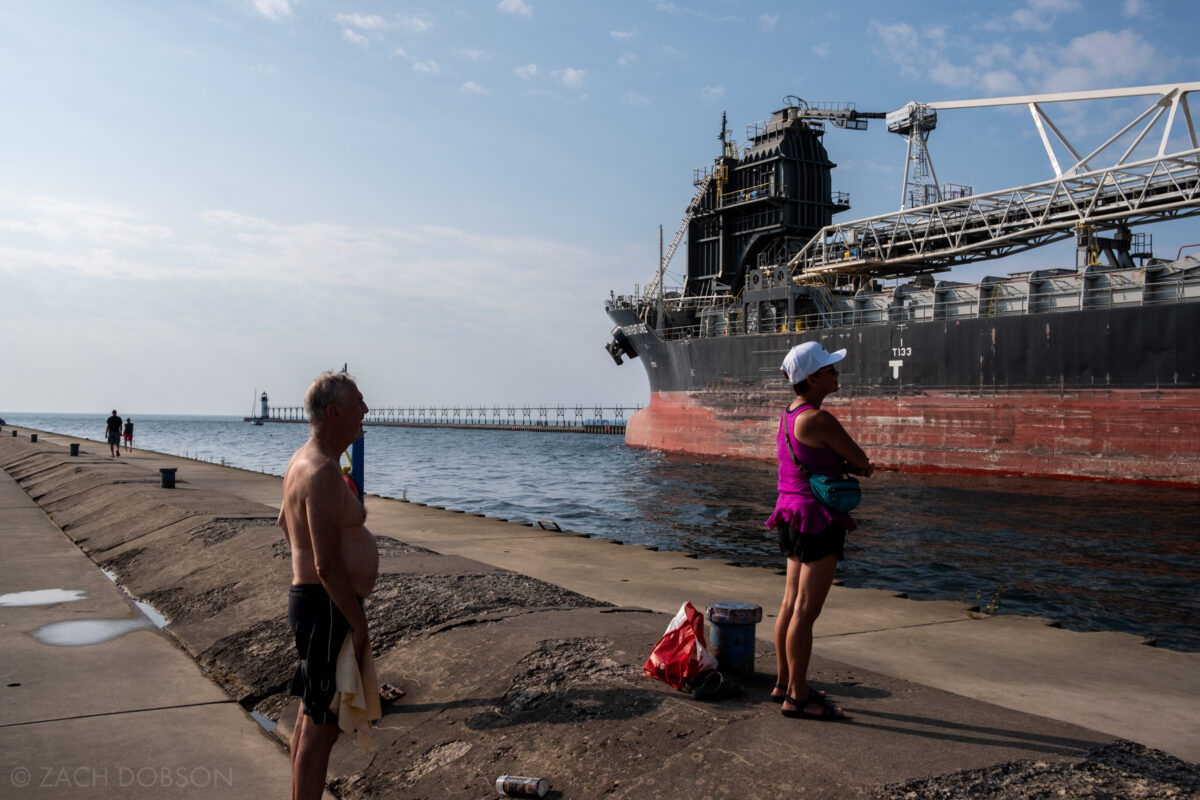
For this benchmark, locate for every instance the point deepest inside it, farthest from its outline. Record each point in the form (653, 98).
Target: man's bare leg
(292, 746)
(311, 746)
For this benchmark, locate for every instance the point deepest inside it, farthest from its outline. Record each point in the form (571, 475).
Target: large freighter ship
(1089, 372)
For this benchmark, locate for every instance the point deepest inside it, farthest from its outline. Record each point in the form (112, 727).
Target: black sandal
(814, 695)
(828, 710)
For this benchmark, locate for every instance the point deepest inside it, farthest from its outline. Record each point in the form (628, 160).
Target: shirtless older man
(334, 565)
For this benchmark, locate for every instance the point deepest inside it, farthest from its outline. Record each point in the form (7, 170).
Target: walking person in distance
(112, 433)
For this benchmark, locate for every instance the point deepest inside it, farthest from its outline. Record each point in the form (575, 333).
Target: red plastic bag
(681, 654)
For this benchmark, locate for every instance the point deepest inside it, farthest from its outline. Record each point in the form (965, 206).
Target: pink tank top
(796, 505)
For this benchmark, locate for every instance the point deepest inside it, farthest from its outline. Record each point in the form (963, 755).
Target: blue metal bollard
(357, 468)
(732, 640)
(33, 437)
(74, 448)
(168, 477)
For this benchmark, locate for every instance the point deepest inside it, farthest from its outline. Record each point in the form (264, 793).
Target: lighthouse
(263, 414)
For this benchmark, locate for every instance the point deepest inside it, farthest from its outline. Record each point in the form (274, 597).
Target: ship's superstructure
(1090, 371)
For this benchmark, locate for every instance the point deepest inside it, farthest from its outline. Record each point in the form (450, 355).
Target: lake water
(1092, 556)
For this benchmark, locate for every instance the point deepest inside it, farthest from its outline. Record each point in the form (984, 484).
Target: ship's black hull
(1138, 347)
(1110, 393)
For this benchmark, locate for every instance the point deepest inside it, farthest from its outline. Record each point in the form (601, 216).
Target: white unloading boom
(937, 236)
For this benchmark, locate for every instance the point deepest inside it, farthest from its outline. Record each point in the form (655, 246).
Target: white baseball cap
(805, 359)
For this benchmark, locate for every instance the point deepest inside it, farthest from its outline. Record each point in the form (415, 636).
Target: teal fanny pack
(839, 495)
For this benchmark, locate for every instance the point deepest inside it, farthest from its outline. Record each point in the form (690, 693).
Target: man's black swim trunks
(319, 628)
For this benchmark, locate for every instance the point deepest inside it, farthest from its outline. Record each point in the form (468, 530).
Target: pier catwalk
(521, 649)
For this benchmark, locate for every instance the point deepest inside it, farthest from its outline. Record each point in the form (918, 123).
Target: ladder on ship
(822, 297)
(693, 207)
(939, 236)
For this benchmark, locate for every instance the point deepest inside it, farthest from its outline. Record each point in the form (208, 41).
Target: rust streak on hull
(1126, 435)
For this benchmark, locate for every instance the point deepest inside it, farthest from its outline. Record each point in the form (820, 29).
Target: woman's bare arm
(822, 429)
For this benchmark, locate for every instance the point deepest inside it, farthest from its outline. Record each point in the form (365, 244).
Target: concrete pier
(521, 653)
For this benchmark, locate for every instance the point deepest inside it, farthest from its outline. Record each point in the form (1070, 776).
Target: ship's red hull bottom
(1126, 435)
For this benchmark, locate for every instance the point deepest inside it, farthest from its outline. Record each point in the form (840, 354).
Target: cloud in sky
(355, 38)
(75, 236)
(1097, 60)
(518, 7)
(668, 7)
(635, 99)
(273, 9)
(378, 25)
(767, 22)
(415, 24)
(822, 49)
(712, 93)
(622, 36)
(627, 59)
(527, 72)
(898, 42)
(1100, 59)
(1036, 15)
(572, 77)
(471, 87)
(91, 223)
(371, 22)
(429, 67)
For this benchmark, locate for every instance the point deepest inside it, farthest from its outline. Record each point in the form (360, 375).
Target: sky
(200, 201)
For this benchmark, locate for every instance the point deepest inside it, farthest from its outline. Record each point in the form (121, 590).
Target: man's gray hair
(328, 387)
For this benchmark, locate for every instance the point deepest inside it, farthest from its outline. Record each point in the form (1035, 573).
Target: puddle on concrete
(41, 597)
(265, 722)
(88, 631)
(152, 613)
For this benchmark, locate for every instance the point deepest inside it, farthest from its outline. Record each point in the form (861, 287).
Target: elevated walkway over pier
(595, 419)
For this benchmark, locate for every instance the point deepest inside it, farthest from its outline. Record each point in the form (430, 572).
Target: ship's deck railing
(940, 235)
(1038, 292)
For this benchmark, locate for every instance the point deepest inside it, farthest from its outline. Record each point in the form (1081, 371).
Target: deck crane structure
(1082, 198)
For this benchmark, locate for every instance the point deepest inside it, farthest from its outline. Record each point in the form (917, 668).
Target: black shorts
(114, 438)
(320, 629)
(810, 547)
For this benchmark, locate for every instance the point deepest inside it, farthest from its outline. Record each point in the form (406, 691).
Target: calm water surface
(1092, 556)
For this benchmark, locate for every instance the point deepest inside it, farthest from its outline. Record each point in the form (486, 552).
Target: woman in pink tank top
(810, 535)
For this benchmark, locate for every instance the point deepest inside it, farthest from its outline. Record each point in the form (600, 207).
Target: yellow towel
(356, 700)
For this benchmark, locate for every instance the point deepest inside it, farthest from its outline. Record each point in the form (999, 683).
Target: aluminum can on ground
(516, 786)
